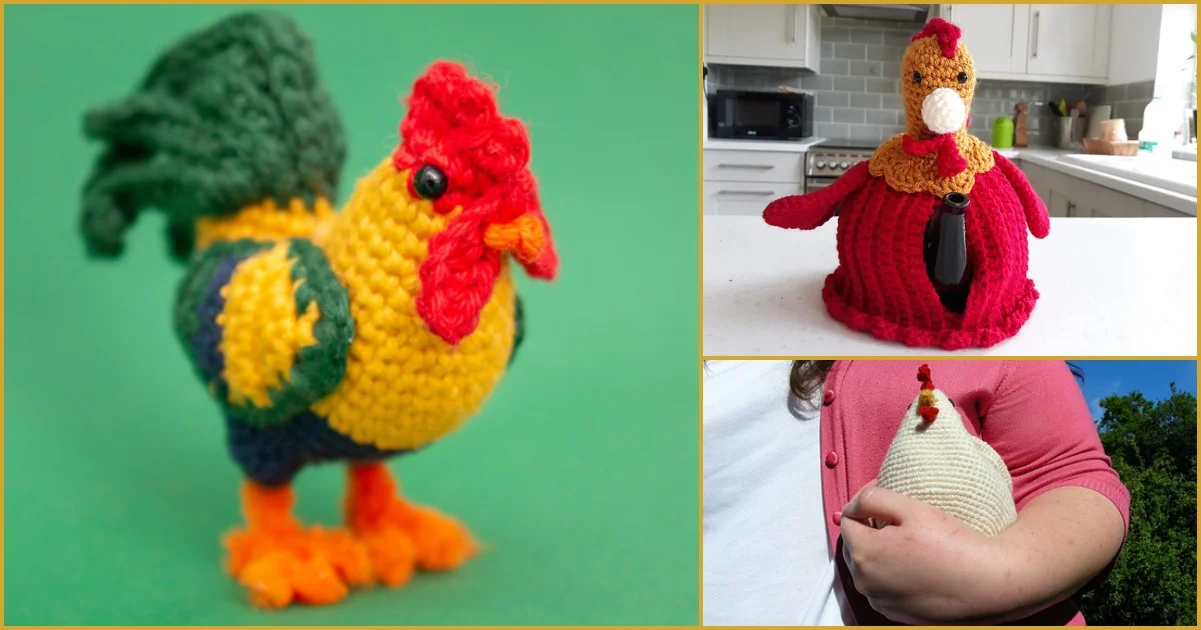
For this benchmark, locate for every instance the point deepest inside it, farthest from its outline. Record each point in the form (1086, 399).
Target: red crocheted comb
(453, 123)
(948, 35)
(927, 410)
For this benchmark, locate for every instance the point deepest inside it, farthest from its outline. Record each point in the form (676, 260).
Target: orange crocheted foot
(400, 536)
(279, 562)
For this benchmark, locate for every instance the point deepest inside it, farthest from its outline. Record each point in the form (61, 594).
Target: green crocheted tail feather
(229, 116)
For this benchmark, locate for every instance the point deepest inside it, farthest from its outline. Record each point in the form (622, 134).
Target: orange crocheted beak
(527, 238)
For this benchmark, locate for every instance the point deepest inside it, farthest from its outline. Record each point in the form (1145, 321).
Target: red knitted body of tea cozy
(881, 286)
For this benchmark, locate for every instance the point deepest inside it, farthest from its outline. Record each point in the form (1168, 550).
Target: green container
(1002, 133)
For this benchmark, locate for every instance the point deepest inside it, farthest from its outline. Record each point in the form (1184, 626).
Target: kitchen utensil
(1063, 108)
(1002, 132)
(1097, 146)
(1020, 137)
(1078, 121)
(1081, 107)
(1066, 123)
(1096, 116)
(1114, 130)
(1054, 107)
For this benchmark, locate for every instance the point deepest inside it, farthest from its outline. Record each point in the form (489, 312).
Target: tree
(1153, 448)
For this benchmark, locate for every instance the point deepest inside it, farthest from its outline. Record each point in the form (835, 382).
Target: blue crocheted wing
(246, 307)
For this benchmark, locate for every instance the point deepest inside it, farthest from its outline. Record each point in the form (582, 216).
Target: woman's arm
(928, 568)
(1061, 541)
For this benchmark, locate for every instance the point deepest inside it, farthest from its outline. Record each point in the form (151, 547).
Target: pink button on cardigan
(1031, 412)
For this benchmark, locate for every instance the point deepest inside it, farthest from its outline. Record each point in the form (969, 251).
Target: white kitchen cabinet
(744, 198)
(1058, 204)
(780, 35)
(1069, 196)
(1064, 43)
(744, 182)
(996, 35)
(1069, 40)
(1156, 210)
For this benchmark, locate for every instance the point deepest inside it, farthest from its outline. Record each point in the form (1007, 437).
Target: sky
(1102, 378)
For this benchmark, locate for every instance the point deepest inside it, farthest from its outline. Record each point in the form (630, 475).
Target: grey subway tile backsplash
(860, 70)
(848, 84)
(865, 101)
(836, 67)
(850, 51)
(848, 115)
(833, 99)
(881, 117)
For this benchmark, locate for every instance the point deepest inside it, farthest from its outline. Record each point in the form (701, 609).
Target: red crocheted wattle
(950, 161)
(453, 123)
(888, 293)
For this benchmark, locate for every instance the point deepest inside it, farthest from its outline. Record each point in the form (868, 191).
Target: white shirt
(766, 557)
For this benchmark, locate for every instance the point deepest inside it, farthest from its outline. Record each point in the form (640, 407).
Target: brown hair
(807, 377)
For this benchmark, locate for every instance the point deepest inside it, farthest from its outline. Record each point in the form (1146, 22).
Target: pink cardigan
(1032, 412)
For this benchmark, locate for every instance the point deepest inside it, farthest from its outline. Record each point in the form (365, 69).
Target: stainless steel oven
(827, 162)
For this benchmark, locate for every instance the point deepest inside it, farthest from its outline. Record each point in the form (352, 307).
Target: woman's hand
(924, 566)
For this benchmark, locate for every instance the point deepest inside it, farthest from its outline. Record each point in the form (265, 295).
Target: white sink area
(1179, 176)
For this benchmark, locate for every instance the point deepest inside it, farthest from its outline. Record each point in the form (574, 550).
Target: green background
(581, 472)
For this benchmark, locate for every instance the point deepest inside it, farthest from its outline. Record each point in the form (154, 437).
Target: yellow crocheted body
(941, 464)
(267, 221)
(262, 333)
(404, 386)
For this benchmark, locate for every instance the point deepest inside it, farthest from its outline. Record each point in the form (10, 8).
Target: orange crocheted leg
(401, 536)
(279, 562)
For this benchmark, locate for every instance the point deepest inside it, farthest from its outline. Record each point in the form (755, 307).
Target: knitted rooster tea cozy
(935, 460)
(351, 336)
(932, 246)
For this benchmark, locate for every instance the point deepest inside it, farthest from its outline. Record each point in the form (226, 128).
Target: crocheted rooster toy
(881, 285)
(935, 460)
(353, 336)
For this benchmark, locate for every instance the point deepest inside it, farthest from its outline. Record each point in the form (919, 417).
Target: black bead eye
(429, 182)
(962, 77)
(917, 77)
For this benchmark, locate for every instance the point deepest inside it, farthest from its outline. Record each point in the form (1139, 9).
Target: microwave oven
(760, 115)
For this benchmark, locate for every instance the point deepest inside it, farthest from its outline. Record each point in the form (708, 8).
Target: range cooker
(828, 161)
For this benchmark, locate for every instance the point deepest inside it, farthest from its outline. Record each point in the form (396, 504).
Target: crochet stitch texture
(880, 286)
(935, 460)
(326, 336)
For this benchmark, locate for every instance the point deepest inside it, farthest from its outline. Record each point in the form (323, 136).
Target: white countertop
(1109, 287)
(795, 146)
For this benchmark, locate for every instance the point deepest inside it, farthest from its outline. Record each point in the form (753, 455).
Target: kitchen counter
(794, 146)
(1055, 159)
(1109, 287)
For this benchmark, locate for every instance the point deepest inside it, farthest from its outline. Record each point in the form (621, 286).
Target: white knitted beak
(943, 111)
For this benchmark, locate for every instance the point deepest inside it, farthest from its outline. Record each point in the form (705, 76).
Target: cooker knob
(820, 164)
(844, 165)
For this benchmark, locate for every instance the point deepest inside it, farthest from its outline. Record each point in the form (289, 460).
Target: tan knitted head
(938, 79)
(936, 154)
(935, 460)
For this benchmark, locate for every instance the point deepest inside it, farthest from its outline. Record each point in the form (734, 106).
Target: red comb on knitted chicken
(925, 400)
(464, 156)
(948, 36)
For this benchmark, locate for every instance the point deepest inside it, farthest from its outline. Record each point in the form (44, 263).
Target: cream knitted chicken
(935, 460)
